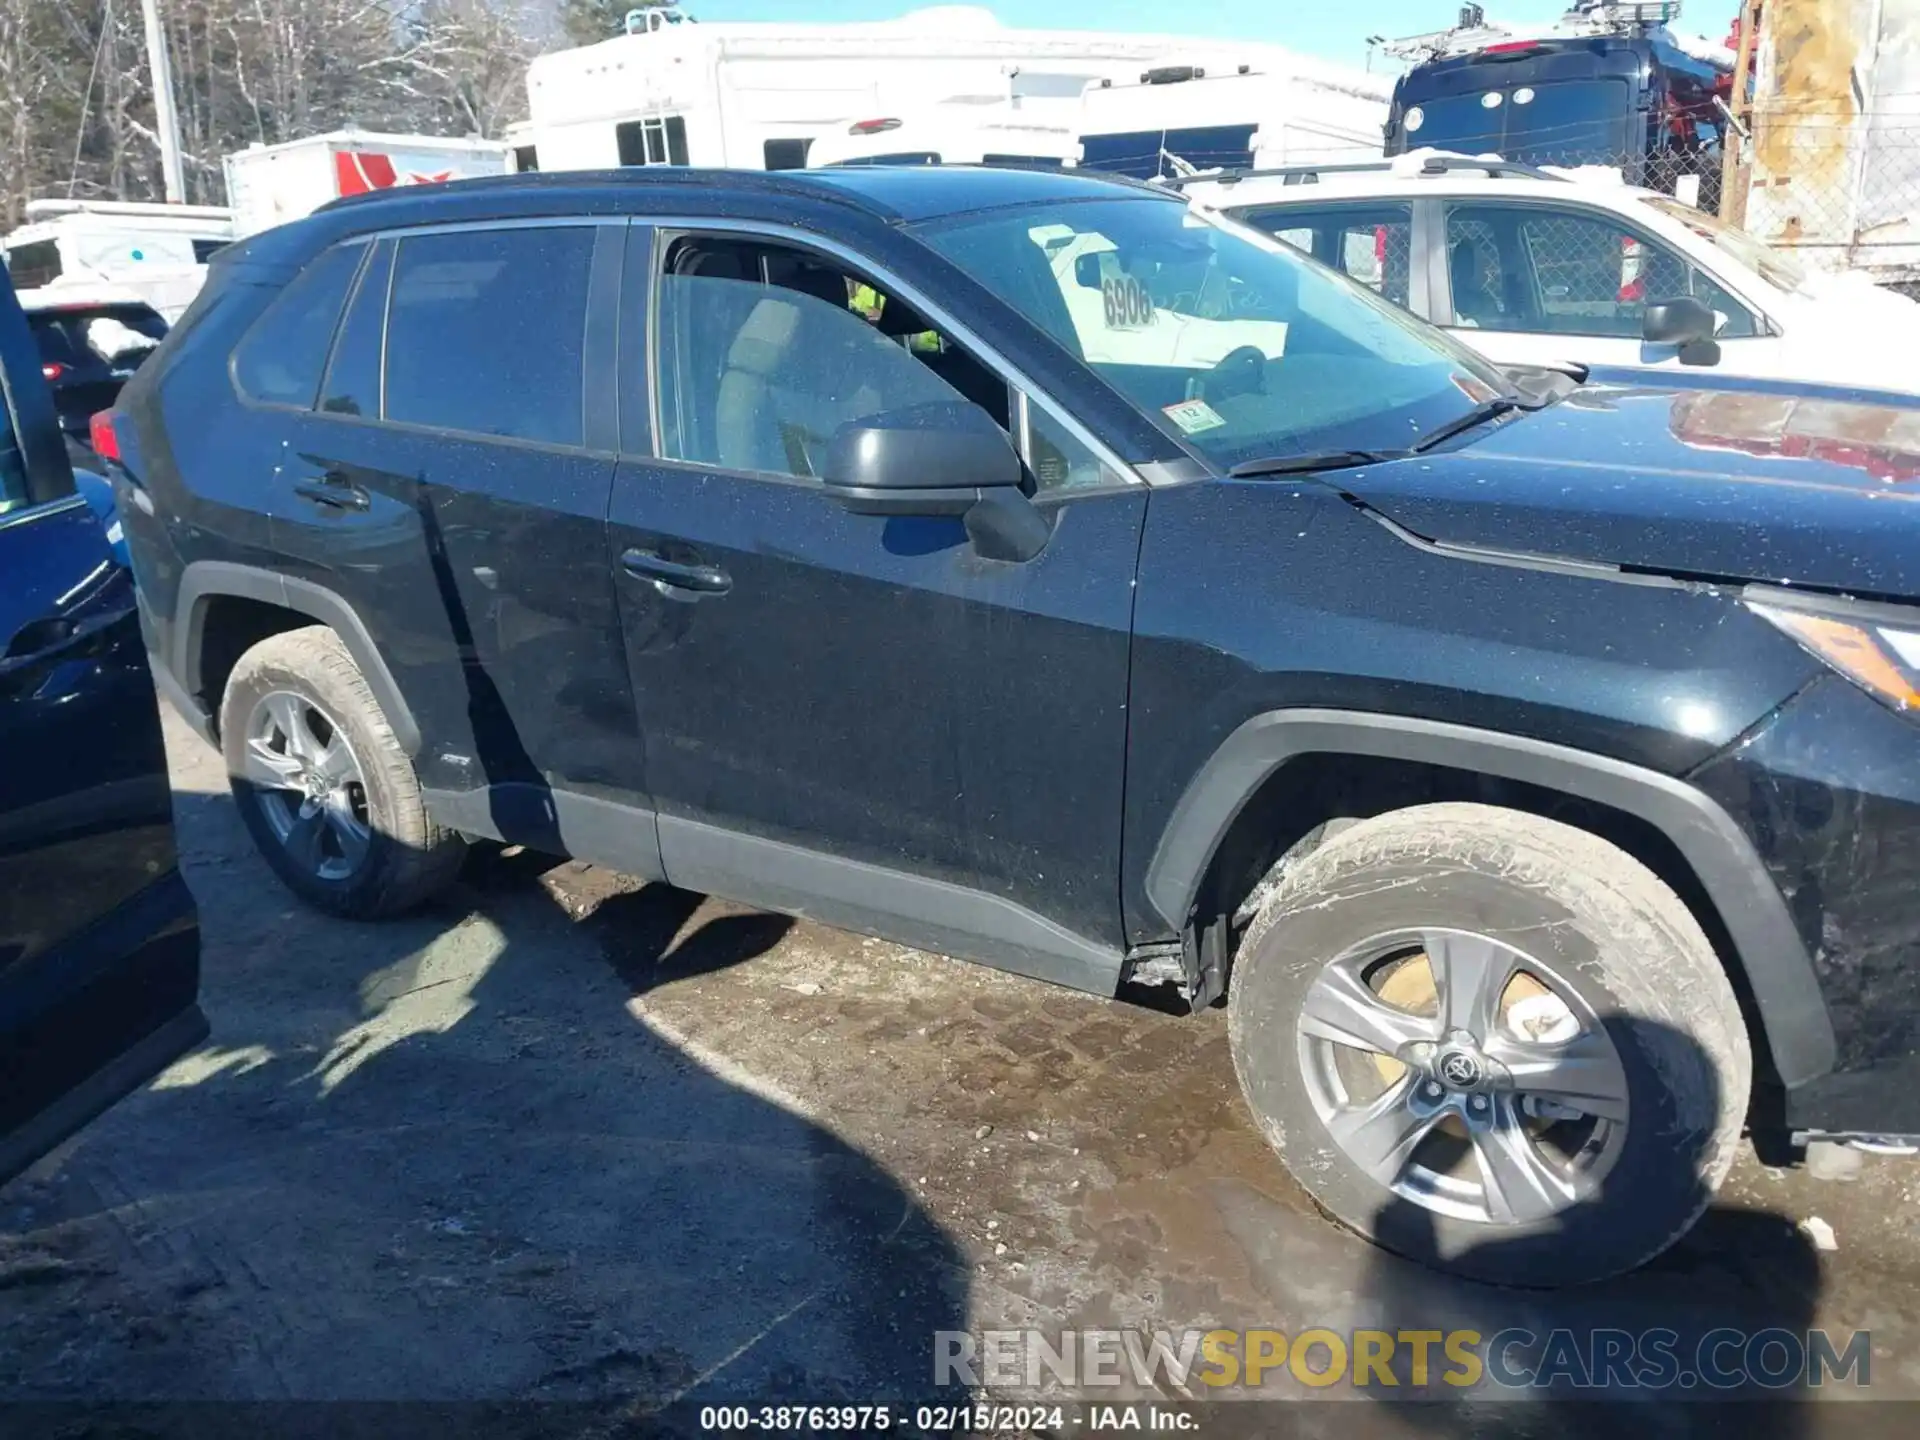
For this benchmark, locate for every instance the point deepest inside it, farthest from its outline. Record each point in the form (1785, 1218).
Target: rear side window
(283, 356)
(1373, 244)
(485, 331)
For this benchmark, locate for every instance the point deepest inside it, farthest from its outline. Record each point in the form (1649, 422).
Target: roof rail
(1310, 174)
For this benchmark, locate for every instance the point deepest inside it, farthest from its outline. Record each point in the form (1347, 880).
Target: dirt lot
(566, 1137)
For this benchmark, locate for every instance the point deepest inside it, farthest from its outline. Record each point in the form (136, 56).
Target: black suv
(1022, 566)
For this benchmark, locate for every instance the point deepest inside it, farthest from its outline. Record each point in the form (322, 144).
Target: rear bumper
(1828, 792)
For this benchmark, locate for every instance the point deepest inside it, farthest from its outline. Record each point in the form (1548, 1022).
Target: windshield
(1777, 269)
(1229, 340)
(1565, 123)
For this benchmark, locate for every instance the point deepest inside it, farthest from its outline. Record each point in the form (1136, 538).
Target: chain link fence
(1832, 194)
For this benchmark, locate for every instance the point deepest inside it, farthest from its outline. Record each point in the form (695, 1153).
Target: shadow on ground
(442, 1159)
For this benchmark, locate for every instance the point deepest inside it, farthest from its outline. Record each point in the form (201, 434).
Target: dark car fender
(1778, 971)
(204, 581)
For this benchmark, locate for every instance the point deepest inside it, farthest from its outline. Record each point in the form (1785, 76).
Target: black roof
(900, 194)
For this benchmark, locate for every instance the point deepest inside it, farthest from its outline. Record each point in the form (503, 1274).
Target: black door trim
(206, 580)
(909, 909)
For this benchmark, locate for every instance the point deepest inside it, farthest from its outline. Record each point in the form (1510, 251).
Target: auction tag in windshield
(1194, 416)
(1126, 302)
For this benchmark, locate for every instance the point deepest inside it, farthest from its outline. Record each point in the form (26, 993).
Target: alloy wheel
(308, 784)
(1464, 1075)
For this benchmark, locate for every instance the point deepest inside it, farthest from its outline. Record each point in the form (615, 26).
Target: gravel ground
(565, 1137)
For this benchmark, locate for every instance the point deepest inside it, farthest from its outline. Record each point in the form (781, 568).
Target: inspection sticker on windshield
(1193, 416)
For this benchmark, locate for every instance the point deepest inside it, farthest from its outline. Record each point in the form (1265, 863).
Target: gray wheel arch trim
(1778, 971)
(206, 580)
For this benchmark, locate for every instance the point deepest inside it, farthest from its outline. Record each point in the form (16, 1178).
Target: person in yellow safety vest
(867, 301)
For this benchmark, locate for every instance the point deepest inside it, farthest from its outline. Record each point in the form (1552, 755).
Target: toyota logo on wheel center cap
(1460, 1070)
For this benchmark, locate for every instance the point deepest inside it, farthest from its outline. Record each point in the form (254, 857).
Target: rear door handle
(667, 575)
(332, 490)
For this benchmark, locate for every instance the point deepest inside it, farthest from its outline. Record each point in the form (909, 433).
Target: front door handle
(668, 575)
(332, 490)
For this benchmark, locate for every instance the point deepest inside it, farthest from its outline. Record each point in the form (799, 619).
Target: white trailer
(1254, 107)
(673, 92)
(270, 185)
(77, 249)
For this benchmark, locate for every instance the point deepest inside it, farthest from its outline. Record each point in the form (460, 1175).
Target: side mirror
(1685, 322)
(936, 459)
(1679, 321)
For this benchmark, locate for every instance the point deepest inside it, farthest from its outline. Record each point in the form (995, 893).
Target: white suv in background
(1531, 267)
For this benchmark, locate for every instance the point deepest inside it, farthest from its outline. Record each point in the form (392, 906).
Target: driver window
(760, 365)
(765, 352)
(1562, 273)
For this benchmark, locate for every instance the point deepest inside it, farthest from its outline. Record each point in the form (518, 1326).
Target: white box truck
(269, 185)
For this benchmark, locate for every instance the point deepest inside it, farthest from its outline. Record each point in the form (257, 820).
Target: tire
(370, 849)
(1621, 957)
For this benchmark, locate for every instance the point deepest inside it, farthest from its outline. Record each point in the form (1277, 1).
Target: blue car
(99, 938)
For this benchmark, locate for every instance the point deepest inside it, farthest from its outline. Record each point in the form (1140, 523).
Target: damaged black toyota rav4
(1024, 567)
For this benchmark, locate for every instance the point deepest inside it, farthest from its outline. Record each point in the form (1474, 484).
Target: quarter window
(1058, 460)
(485, 330)
(353, 377)
(282, 358)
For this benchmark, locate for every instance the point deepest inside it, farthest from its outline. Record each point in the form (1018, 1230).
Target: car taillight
(106, 444)
(53, 369)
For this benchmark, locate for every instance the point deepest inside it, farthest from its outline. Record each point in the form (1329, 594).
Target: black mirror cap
(935, 459)
(1683, 320)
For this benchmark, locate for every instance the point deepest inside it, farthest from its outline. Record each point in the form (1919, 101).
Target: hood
(1727, 480)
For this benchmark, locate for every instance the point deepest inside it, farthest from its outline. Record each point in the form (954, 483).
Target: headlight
(1881, 658)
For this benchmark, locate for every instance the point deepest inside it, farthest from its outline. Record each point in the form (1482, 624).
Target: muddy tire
(323, 786)
(1491, 1043)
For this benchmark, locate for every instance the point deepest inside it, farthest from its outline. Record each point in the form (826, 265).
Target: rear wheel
(323, 785)
(1491, 1042)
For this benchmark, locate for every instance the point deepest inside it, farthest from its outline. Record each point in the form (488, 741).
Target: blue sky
(1325, 28)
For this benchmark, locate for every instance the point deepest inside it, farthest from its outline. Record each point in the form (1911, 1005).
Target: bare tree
(76, 97)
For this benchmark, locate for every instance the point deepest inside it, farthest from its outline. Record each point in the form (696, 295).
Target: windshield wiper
(1295, 464)
(1480, 414)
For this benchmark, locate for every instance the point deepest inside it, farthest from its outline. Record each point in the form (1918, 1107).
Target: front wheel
(1492, 1043)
